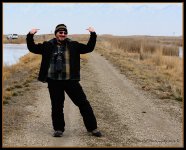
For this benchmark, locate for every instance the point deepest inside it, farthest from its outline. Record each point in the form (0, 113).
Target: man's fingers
(36, 30)
(90, 29)
(33, 31)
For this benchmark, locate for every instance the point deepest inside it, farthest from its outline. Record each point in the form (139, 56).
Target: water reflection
(12, 53)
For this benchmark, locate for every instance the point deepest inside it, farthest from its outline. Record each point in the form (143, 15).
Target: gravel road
(126, 115)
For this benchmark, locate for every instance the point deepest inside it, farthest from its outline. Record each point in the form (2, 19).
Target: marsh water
(12, 53)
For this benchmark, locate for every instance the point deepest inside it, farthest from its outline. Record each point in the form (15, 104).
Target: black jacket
(75, 49)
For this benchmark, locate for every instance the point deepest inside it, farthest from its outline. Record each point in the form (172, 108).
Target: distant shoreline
(80, 37)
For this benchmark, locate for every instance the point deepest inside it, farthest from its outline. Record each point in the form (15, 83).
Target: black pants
(76, 94)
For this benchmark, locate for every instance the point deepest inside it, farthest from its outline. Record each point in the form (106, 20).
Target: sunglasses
(62, 32)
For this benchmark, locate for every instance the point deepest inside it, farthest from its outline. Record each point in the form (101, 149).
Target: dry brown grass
(20, 40)
(16, 76)
(44, 37)
(28, 65)
(152, 62)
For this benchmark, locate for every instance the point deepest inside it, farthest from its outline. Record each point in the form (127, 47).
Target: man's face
(61, 35)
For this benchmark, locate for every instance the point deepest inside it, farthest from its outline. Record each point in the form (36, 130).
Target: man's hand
(91, 29)
(33, 31)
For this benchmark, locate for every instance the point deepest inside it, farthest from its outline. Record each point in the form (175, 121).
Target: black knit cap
(61, 27)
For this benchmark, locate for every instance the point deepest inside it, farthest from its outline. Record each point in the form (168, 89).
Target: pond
(12, 53)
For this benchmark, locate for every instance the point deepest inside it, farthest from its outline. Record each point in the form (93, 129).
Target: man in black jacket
(60, 68)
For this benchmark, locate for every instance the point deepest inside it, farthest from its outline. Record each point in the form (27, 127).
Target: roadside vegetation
(17, 77)
(152, 62)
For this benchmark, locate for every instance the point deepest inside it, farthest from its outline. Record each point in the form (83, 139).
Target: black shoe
(57, 133)
(96, 133)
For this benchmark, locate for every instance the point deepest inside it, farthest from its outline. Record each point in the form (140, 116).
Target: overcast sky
(156, 19)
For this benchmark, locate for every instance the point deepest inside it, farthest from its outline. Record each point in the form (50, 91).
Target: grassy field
(151, 62)
(41, 38)
(17, 77)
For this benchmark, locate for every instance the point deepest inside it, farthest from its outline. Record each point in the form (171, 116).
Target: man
(60, 68)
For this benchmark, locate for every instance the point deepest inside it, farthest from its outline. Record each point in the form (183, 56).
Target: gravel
(126, 115)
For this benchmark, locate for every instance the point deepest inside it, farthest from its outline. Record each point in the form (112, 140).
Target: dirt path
(126, 115)
(36, 130)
